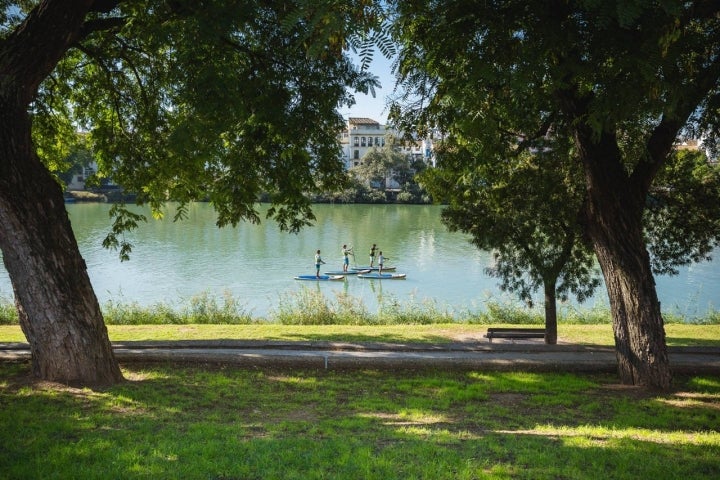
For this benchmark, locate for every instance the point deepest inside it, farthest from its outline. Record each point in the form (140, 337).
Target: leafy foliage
(378, 165)
(215, 100)
(382, 168)
(525, 208)
(617, 79)
(682, 219)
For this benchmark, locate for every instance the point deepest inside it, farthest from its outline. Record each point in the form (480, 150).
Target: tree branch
(101, 25)
(663, 136)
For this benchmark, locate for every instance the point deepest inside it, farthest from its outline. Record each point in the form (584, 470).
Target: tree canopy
(180, 100)
(621, 80)
(525, 209)
(682, 219)
(189, 100)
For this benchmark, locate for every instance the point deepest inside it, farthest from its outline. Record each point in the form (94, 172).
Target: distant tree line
(384, 175)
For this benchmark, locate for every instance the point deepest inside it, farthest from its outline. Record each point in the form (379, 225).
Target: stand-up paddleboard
(382, 276)
(349, 272)
(320, 278)
(375, 269)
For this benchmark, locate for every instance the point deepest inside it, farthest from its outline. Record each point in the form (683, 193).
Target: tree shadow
(222, 421)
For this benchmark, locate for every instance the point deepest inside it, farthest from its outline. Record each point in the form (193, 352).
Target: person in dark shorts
(318, 262)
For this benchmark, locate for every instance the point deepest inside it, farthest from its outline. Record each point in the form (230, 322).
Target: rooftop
(362, 121)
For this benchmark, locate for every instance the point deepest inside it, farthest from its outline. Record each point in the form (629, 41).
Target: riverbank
(112, 195)
(315, 310)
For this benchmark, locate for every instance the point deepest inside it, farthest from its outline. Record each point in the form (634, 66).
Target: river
(173, 261)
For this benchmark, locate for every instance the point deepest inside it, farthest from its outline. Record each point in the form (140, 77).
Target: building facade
(362, 134)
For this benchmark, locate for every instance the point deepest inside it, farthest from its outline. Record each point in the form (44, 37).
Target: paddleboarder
(318, 262)
(372, 254)
(381, 261)
(346, 257)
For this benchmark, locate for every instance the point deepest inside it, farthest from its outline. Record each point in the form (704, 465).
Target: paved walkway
(499, 355)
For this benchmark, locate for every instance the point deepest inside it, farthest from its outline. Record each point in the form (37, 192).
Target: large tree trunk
(614, 224)
(59, 312)
(637, 320)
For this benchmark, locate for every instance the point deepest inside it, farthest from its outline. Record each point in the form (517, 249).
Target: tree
(77, 159)
(524, 208)
(182, 100)
(682, 218)
(379, 166)
(621, 79)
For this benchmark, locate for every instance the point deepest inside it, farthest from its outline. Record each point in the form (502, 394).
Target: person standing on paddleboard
(346, 257)
(381, 261)
(372, 255)
(318, 262)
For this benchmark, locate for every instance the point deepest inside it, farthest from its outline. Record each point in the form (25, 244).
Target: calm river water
(172, 262)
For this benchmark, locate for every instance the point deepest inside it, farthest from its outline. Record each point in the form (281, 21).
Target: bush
(8, 312)
(205, 309)
(427, 312)
(308, 307)
(304, 307)
(405, 197)
(117, 313)
(201, 309)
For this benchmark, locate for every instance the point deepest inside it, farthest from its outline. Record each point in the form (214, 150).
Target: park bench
(514, 333)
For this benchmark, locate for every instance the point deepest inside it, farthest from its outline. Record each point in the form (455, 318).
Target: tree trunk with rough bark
(637, 320)
(614, 224)
(58, 310)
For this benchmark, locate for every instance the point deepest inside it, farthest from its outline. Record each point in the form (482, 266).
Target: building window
(362, 142)
(383, 141)
(356, 155)
(377, 141)
(357, 141)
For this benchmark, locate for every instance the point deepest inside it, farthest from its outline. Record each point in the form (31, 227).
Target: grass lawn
(203, 422)
(677, 334)
(220, 422)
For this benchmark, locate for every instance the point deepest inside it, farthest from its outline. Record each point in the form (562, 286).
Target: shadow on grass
(692, 342)
(200, 421)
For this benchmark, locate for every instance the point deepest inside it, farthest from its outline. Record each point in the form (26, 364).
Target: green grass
(677, 334)
(197, 422)
(224, 422)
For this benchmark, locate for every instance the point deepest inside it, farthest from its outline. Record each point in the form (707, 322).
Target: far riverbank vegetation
(385, 175)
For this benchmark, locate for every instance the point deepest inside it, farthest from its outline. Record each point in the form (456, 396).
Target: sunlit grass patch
(693, 400)
(705, 384)
(588, 435)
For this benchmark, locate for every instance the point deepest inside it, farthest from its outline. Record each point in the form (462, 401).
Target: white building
(362, 134)
(77, 182)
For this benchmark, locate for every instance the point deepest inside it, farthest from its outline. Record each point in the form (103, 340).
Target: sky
(367, 106)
